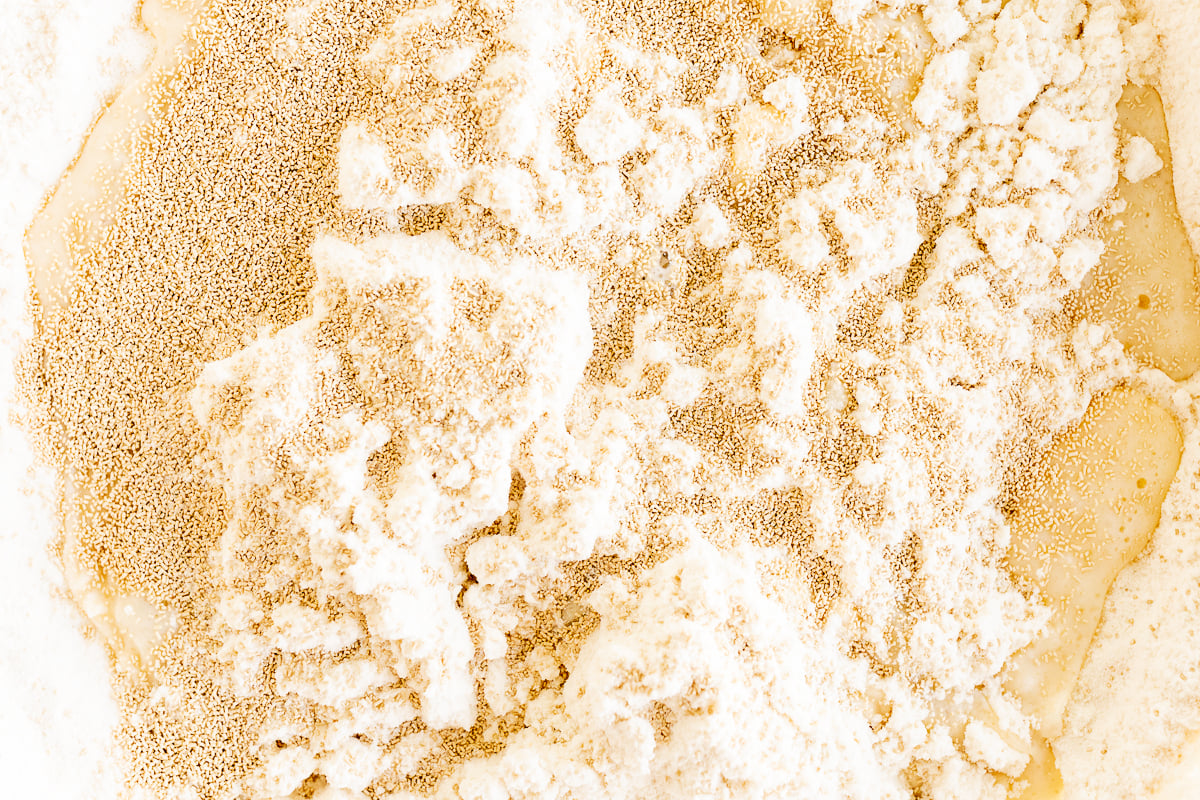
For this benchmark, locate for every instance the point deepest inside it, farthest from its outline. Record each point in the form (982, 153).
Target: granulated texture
(58, 65)
(589, 399)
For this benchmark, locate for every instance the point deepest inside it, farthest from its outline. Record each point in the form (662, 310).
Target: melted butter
(1091, 509)
(893, 53)
(1100, 489)
(1145, 286)
(1102, 486)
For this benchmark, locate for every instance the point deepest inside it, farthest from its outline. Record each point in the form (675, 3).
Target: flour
(1175, 23)
(1138, 688)
(59, 64)
(585, 725)
(636, 418)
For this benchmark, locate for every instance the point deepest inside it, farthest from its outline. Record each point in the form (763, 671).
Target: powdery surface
(733, 555)
(58, 63)
(62, 706)
(1178, 23)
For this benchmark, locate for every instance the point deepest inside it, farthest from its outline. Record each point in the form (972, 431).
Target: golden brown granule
(234, 180)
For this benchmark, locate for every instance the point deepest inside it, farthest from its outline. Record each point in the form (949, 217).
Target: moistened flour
(586, 398)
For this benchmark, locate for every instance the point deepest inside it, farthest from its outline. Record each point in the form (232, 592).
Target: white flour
(58, 63)
(1178, 79)
(1140, 688)
(59, 684)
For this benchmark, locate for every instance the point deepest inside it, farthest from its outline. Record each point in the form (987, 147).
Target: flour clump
(630, 401)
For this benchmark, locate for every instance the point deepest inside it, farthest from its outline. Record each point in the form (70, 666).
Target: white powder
(59, 62)
(607, 131)
(759, 696)
(1139, 691)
